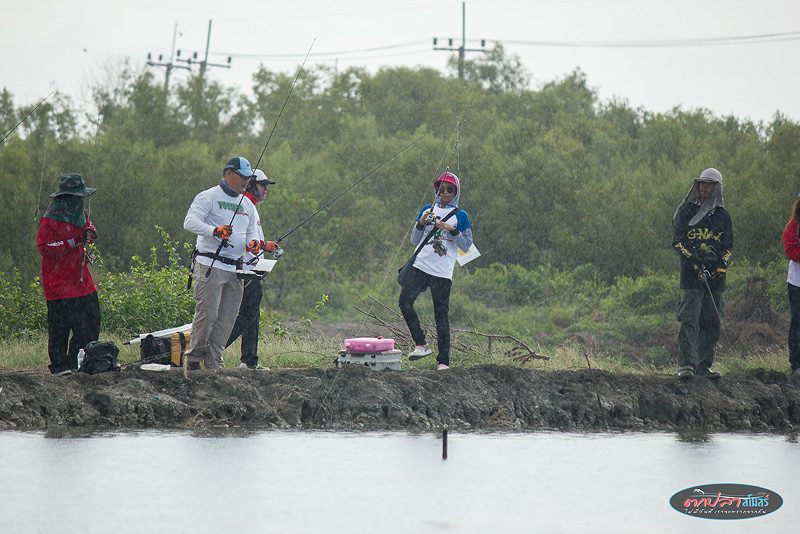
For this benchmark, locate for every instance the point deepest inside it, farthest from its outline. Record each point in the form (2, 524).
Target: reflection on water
(314, 481)
(693, 435)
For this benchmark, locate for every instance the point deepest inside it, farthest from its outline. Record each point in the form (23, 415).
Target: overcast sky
(69, 45)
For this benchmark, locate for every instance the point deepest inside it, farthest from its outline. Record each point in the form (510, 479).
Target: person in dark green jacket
(704, 241)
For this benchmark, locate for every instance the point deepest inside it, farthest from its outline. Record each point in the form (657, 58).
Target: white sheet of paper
(265, 265)
(466, 257)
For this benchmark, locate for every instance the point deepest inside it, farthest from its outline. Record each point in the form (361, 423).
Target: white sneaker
(419, 352)
(256, 367)
(442, 367)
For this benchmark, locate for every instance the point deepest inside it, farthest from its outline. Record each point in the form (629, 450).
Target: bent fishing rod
(84, 256)
(370, 173)
(459, 126)
(224, 242)
(26, 116)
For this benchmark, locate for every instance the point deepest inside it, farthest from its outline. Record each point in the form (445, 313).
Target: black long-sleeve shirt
(707, 244)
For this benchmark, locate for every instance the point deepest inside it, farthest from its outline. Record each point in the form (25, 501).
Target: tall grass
(621, 325)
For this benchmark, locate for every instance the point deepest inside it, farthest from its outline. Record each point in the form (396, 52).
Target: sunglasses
(447, 189)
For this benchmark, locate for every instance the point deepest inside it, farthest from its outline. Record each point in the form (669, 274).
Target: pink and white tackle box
(377, 361)
(368, 344)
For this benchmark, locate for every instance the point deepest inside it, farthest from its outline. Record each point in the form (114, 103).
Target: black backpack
(99, 357)
(156, 350)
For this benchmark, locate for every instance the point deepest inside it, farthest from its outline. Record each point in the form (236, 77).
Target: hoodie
(438, 256)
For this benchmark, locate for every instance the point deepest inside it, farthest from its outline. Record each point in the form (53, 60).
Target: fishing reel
(438, 247)
(430, 219)
(277, 253)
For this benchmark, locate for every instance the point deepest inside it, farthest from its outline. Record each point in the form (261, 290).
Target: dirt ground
(482, 397)
(485, 397)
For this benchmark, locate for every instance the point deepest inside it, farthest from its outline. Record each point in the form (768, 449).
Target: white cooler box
(377, 361)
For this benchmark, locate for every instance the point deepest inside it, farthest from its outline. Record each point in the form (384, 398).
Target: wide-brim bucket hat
(72, 184)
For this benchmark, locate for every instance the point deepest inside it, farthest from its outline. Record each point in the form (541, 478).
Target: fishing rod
(94, 159)
(84, 255)
(460, 126)
(41, 182)
(26, 116)
(431, 219)
(704, 278)
(224, 242)
(284, 103)
(370, 173)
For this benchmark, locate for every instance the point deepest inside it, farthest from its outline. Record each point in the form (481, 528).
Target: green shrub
(648, 294)
(150, 297)
(513, 285)
(23, 310)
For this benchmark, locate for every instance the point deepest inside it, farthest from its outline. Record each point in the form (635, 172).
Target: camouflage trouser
(699, 327)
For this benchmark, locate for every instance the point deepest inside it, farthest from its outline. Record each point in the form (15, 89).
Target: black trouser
(416, 282)
(247, 322)
(794, 327)
(81, 316)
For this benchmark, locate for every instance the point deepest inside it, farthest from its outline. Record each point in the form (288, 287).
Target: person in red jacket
(72, 303)
(791, 244)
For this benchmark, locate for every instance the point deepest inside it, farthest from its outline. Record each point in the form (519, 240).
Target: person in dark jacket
(791, 244)
(249, 317)
(70, 293)
(704, 241)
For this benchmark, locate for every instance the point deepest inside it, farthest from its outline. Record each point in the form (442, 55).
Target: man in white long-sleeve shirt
(217, 290)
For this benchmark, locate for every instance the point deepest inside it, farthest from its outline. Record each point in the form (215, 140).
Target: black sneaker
(193, 366)
(685, 372)
(65, 372)
(708, 373)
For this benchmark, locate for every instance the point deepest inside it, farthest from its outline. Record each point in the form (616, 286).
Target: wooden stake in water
(444, 444)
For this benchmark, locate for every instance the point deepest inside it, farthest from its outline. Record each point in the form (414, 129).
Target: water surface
(315, 482)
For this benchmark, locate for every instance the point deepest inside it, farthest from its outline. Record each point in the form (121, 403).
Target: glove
(269, 246)
(254, 247)
(223, 232)
(719, 274)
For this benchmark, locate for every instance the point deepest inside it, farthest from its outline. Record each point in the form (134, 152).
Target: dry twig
(521, 352)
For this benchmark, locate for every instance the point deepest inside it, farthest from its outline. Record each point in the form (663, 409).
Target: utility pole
(169, 66)
(189, 62)
(463, 48)
(204, 63)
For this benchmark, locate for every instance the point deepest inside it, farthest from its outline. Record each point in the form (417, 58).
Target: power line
(711, 41)
(322, 54)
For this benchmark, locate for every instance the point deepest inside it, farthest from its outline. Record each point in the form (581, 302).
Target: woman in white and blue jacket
(433, 266)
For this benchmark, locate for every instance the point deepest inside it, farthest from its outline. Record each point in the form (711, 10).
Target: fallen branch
(521, 352)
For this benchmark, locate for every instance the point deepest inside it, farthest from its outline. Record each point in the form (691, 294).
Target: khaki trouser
(217, 298)
(699, 327)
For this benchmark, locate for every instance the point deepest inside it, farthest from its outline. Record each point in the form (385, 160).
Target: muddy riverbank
(484, 397)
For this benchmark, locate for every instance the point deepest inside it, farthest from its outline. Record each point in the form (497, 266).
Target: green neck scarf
(67, 208)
